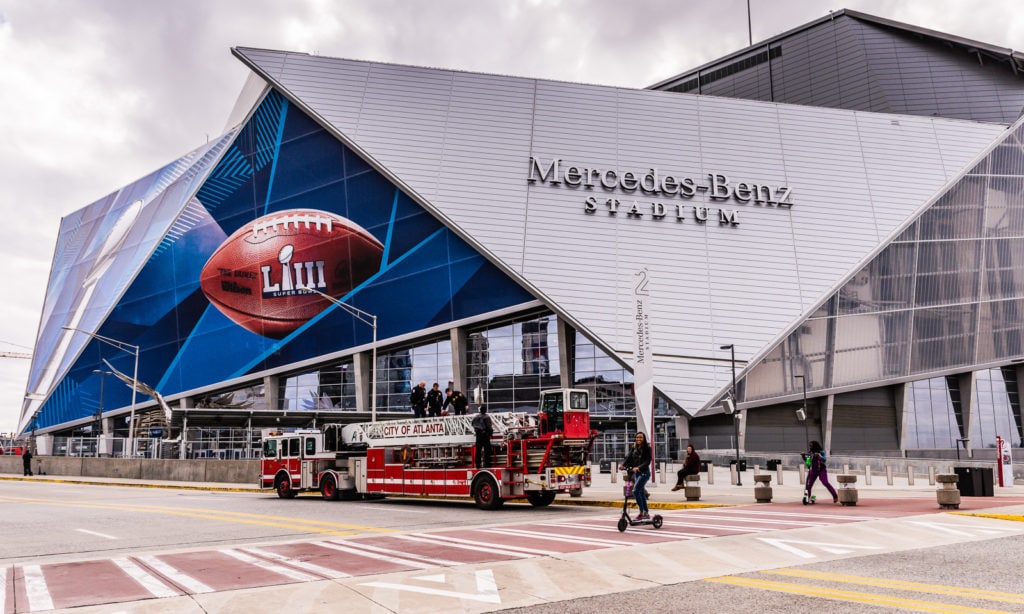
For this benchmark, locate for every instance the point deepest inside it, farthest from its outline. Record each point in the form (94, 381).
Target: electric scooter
(809, 499)
(625, 521)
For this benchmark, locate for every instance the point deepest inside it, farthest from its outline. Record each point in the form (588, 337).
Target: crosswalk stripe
(473, 542)
(399, 553)
(313, 567)
(770, 521)
(294, 574)
(491, 549)
(390, 559)
(35, 589)
(148, 581)
(190, 583)
(664, 530)
(557, 537)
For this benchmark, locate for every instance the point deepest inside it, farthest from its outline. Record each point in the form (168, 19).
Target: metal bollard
(867, 475)
(931, 475)
(910, 475)
(778, 474)
(711, 473)
(888, 474)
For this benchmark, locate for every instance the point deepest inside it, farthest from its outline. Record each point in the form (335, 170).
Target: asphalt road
(88, 547)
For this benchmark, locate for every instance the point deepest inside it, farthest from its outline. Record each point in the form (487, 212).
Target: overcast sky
(94, 94)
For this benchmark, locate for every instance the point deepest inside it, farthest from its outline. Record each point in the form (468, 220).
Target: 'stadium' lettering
(718, 186)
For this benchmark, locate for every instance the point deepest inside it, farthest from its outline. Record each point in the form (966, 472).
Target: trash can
(704, 466)
(605, 465)
(743, 464)
(974, 481)
(773, 463)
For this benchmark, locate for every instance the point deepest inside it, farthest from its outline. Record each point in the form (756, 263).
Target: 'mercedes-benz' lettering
(717, 186)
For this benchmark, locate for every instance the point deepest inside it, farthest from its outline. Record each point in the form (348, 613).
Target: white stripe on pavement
(473, 542)
(35, 589)
(771, 521)
(148, 581)
(490, 549)
(556, 537)
(390, 559)
(103, 535)
(191, 584)
(313, 567)
(294, 574)
(434, 562)
(664, 530)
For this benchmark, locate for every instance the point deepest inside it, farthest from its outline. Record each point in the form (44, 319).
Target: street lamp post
(736, 415)
(370, 320)
(131, 349)
(99, 410)
(803, 416)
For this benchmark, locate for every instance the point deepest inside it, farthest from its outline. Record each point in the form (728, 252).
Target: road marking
(489, 549)
(831, 548)
(439, 578)
(665, 530)
(772, 521)
(919, 587)
(398, 553)
(191, 584)
(35, 589)
(294, 574)
(556, 537)
(486, 588)
(840, 595)
(376, 557)
(490, 545)
(960, 530)
(148, 581)
(103, 535)
(739, 511)
(313, 567)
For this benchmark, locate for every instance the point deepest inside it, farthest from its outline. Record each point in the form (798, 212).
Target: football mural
(221, 287)
(263, 276)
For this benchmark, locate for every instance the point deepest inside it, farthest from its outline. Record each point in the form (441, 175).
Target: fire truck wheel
(284, 488)
(329, 488)
(486, 494)
(540, 498)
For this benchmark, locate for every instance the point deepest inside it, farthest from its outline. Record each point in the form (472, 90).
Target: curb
(130, 484)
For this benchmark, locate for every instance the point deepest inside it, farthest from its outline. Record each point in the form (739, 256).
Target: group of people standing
(432, 403)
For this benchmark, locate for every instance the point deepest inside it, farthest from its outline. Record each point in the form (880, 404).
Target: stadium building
(829, 221)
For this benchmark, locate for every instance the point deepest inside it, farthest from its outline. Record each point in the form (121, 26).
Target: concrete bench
(847, 490)
(691, 488)
(948, 495)
(763, 488)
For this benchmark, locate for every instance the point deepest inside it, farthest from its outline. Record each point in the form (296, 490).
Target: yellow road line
(1013, 517)
(920, 587)
(840, 595)
(281, 522)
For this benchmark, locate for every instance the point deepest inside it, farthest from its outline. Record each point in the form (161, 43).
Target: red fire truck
(536, 456)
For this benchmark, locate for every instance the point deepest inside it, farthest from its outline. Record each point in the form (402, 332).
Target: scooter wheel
(623, 523)
(657, 521)
(806, 501)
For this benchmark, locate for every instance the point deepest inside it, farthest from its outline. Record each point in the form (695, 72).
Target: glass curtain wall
(331, 387)
(947, 293)
(400, 370)
(998, 404)
(508, 364)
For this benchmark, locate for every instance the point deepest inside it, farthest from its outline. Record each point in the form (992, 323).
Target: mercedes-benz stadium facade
(833, 219)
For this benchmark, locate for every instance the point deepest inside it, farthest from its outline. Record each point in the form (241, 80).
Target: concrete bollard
(763, 488)
(615, 474)
(691, 488)
(846, 469)
(664, 470)
(803, 473)
(931, 475)
(733, 473)
(888, 474)
(910, 475)
(948, 495)
(711, 473)
(867, 475)
(847, 489)
(778, 474)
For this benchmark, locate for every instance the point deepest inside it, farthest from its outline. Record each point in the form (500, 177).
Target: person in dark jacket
(691, 466)
(434, 401)
(459, 403)
(418, 400)
(815, 459)
(483, 429)
(638, 464)
(26, 461)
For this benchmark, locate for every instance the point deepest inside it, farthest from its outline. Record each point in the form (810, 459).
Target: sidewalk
(603, 492)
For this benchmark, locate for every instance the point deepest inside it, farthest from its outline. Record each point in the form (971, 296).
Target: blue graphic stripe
(277, 151)
(391, 228)
(184, 349)
(384, 269)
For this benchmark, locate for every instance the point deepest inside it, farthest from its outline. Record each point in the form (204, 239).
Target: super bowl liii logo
(717, 187)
